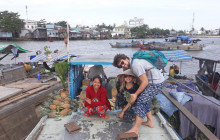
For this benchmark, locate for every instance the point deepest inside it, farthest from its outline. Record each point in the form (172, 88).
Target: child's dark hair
(97, 76)
(118, 58)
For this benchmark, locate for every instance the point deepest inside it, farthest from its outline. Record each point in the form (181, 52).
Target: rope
(195, 91)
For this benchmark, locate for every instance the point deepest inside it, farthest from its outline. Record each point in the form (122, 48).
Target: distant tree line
(11, 22)
(144, 30)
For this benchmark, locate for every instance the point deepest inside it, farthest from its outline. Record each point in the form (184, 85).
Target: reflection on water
(94, 47)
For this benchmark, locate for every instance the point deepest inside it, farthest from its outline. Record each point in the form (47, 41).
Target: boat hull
(19, 118)
(172, 46)
(125, 45)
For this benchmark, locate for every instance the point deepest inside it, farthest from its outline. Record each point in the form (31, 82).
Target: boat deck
(95, 128)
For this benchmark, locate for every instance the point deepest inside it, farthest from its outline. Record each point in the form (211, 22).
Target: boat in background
(133, 44)
(174, 43)
(208, 80)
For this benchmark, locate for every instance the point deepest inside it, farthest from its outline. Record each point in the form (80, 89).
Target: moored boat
(93, 127)
(207, 78)
(133, 44)
(176, 43)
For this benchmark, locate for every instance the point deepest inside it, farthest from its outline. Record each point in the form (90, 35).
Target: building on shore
(135, 22)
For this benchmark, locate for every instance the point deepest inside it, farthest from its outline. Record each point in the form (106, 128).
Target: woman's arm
(88, 97)
(143, 85)
(121, 114)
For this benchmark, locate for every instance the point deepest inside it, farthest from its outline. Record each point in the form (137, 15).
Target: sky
(164, 14)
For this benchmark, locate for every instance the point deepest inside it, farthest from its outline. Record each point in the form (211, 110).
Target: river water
(98, 47)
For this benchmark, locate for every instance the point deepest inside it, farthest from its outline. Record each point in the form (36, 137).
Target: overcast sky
(166, 14)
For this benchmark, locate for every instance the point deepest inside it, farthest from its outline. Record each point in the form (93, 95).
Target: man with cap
(152, 82)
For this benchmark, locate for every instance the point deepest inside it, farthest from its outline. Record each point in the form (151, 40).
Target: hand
(88, 100)
(120, 115)
(133, 98)
(113, 99)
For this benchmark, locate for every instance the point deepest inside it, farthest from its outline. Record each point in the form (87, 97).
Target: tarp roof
(43, 58)
(179, 55)
(184, 37)
(7, 48)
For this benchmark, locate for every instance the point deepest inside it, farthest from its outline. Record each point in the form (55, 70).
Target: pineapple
(128, 96)
(56, 102)
(52, 114)
(44, 111)
(53, 107)
(66, 106)
(63, 95)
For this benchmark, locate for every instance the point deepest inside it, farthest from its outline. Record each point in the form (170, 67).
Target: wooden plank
(26, 94)
(191, 117)
(36, 99)
(8, 92)
(34, 133)
(20, 124)
(25, 86)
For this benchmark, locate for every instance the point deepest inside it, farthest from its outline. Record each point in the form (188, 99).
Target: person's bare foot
(148, 123)
(106, 117)
(132, 130)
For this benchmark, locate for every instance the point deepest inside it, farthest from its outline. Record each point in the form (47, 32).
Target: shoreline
(22, 39)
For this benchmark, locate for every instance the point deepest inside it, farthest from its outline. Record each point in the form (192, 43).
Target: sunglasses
(122, 63)
(128, 76)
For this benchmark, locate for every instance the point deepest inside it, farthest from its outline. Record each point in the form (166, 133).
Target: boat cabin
(208, 78)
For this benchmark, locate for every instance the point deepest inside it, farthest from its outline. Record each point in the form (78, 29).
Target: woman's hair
(123, 83)
(118, 58)
(97, 76)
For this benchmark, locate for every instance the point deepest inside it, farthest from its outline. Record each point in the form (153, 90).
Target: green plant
(47, 50)
(60, 71)
(128, 96)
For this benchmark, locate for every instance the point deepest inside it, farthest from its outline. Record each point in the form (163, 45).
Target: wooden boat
(20, 97)
(133, 44)
(108, 129)
(208, 80)
(22, 92)
(178, 43)
(45, 128)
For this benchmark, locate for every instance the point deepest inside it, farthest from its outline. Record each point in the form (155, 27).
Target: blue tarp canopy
(179, 55)
(125, 44)
(185, 38)
(92, 60)
(42, 57)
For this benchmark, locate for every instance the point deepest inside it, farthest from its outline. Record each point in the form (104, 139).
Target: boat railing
(207, 133)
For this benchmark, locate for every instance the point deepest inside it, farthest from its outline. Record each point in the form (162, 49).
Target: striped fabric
(42, 57)
(143, 101)
(179, 55)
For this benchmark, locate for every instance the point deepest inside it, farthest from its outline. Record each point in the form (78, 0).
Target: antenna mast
(193, 22)
(26, 12)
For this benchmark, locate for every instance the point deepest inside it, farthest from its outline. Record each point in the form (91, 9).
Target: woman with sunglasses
(129, 84)
(96, 99)
(152, 81)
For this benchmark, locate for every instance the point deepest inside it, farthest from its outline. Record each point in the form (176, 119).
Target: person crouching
(96, 99)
